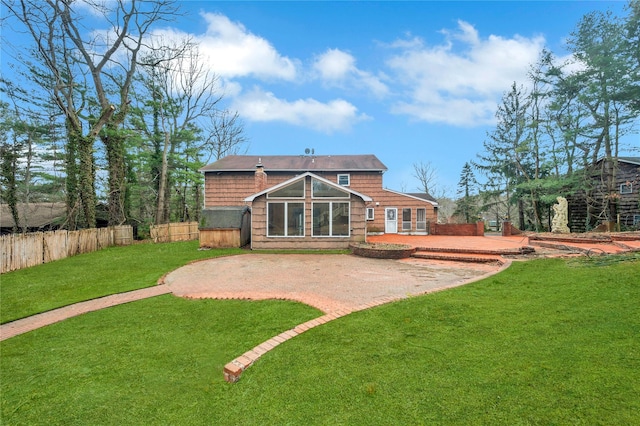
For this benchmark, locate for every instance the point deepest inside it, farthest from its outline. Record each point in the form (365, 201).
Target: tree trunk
(86, 175)
(162, 184)
(536, 212)
(196, 196)
(71, 182)
(9, 171)
(114, 142)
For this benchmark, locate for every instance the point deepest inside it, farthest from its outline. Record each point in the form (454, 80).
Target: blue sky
(407, 81)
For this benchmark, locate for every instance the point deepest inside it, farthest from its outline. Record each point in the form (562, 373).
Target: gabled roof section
(303, 176)
(422, 196)
(297, 163)
(630, 160)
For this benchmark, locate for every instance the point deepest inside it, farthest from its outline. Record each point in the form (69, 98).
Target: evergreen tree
(467, 204)
(507, 155)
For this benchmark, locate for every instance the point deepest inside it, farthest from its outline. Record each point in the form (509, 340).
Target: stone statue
(559, 222)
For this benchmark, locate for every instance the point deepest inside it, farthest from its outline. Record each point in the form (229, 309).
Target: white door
(391, 221)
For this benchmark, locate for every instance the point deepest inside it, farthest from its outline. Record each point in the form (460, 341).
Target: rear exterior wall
(259, 239)
(384, 199)
(231, 188)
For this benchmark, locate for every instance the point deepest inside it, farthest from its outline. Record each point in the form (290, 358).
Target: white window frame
(406, 225)
(344, 194)
(342, 176)
(371, 213)
(421, 225)
(286, 219)
(331, 203)
(626, 188)
(636, 219)
(304, 191)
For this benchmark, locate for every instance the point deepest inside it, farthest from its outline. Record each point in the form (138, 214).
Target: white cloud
(460, 81)
(338, 69)
(335, 115)
(335, 64)
(252, 57)
(235, 52)
(457, 112)
(93, 8)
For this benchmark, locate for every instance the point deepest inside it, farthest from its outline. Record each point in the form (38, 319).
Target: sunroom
(307, 211)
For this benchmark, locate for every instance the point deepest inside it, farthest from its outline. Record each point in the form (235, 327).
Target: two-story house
(305, 201)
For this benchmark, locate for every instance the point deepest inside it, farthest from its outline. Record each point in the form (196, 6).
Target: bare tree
(226, 135)
(91, 75)
(178, 112)
(427, 175)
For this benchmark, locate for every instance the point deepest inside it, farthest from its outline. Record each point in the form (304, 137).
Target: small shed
(225, 227)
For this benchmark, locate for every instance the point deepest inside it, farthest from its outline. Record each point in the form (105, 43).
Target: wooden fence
(171, 232)
(25, 250)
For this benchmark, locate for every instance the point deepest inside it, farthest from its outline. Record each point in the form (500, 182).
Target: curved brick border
(234, 369)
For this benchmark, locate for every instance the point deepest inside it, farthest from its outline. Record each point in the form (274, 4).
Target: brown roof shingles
(297, 163)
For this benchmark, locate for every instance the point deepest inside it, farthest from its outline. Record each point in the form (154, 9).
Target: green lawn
(87, 276)
(544, 342)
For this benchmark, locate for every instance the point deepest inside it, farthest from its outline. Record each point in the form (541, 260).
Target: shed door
(391, 221)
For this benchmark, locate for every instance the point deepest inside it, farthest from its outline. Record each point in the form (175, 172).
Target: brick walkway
(51, 317)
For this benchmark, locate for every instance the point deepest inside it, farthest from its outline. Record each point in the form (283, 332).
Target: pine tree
(467, 204)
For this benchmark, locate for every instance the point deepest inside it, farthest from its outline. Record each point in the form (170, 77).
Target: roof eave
(433, 203)
(205, 170)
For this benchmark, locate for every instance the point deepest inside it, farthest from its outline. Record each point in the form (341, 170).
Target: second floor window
(626, 188)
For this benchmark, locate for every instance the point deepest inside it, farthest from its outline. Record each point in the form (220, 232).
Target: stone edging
(382, 252)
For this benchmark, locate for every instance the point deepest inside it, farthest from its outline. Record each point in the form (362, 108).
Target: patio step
(456, 256)
(584, 246)
(497, 252)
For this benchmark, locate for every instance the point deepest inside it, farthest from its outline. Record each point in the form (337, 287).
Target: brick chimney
(260, 177)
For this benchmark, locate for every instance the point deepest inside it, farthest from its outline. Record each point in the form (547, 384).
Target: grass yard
(87, 276)
(544, 342)
(157, 361)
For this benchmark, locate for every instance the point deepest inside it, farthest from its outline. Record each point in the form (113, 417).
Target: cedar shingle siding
(246, 181)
